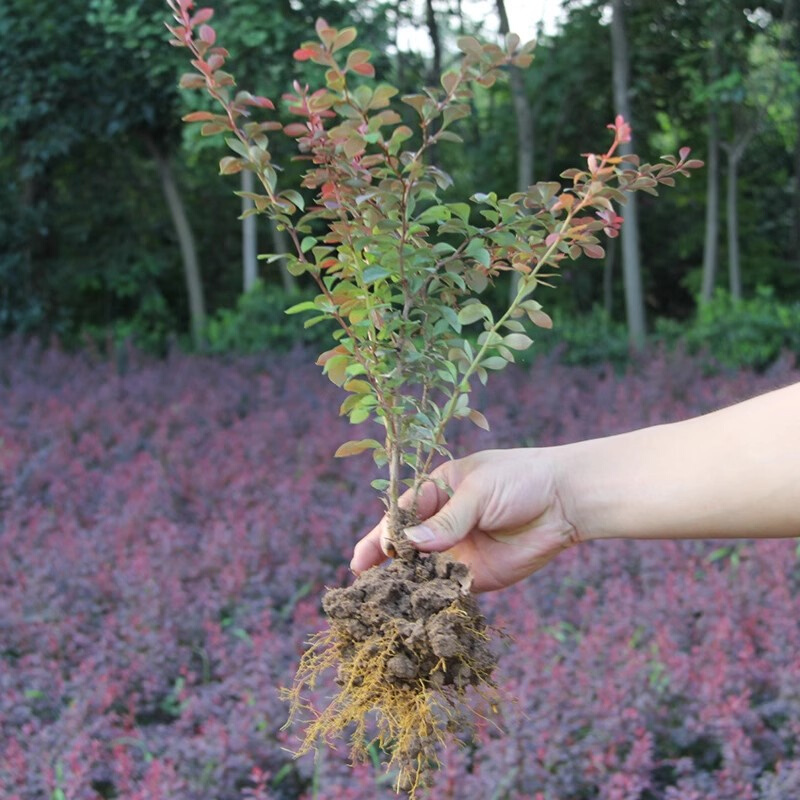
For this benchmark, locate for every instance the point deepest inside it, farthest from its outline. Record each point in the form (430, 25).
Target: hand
(505, 518)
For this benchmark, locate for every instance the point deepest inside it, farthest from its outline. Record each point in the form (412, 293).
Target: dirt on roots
(407, 641)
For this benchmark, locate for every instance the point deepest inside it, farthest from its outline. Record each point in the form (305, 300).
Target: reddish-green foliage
(165, 534)
(399, 270)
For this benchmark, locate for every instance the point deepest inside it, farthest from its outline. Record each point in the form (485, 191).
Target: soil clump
(407, 640)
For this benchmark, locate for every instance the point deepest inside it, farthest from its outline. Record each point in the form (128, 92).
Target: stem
(525, 288)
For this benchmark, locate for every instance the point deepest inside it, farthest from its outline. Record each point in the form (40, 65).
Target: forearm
(731, 474)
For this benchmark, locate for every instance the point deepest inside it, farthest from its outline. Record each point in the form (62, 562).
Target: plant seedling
(401, 272)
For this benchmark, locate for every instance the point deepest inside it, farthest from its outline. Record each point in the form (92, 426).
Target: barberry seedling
(401, 270)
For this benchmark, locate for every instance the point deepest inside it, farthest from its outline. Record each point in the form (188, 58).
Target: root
(407, 644)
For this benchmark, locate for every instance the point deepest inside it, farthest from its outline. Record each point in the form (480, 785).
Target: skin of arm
(733, 473)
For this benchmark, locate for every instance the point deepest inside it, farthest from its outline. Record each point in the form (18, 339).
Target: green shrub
(259, 322)
(583, 340)
(150, 328)
(749, 333)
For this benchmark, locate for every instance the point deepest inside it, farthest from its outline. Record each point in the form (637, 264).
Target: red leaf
(261, 102)
(191, 81)
(540, 319)
(215, 62)
(296, 129)
(365, 69)
(303, 54)
(198, 116)
(593, 250)
(203, 15)
(208, 34)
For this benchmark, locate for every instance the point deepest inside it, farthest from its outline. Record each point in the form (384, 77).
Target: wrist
(614, 488)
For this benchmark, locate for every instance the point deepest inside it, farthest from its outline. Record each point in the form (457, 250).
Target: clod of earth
(407, 641)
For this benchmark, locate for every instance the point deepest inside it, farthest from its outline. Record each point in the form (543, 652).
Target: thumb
(448, 526)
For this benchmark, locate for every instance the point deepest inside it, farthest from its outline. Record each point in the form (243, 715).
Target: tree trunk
(631, 264)
(732, 212)
(280, 244)
(183, 230)
(249, 235)
(711, 244)
(525, 131)
(522, 112)
(436, 66)
(436, 42)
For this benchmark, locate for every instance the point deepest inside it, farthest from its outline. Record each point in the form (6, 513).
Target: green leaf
(451, 317)
(335, 368)
(306, 305)
(476, 280)
(357, 386)
(476, 250)
(296, 267)
(238, 146)
(494, 362)
(296, 198)
(307, 243)
(359, 415)
(461, 210)
(434, 214)
(374, 273)
(382, 96)
(473, 312)
(355, 447)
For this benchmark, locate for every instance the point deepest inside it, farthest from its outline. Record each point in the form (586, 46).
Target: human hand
(505, 518)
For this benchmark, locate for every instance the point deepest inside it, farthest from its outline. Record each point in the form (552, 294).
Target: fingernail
(420, 534)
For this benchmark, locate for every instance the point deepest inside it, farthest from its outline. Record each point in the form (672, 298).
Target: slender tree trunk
(280, 244)
(522, 112)
(711, 244)
(183, 230)
(525, 130)
(631, 263)
(401, 61)
(735, 152)
(249, 235)
(436, 65)
(732, 213)
(436, 42)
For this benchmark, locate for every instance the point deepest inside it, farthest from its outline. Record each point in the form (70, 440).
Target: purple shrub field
(166, 532)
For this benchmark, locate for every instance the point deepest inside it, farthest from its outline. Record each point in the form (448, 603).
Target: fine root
(407, 642)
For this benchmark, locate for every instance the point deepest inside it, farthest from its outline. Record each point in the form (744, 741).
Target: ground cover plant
(400, 271)
(167, 529)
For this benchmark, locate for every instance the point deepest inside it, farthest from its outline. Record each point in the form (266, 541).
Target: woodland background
(114, 225)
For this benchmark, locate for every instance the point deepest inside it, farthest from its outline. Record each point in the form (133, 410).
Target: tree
(631, 266)
(63, 105)
(524, 119)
